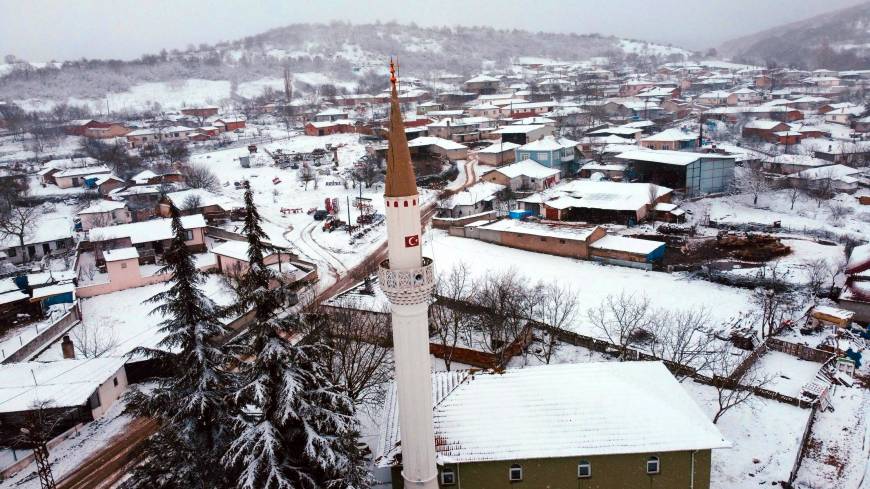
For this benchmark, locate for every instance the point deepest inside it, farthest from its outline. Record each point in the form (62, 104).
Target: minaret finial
(400, 180)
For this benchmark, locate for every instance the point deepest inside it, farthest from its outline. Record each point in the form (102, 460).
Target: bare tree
(556, 308)
(753, 182)
(683, 337)
(621, 319)
(795, 189)
(41, 422)
(449, 314)
(198, 175)
(652, 198)
(734, 386)
(816, 270)
(367, 170)
(19, 222)
(92, 340)
(774, 297)
(192, 202)
(306, 175)
(838, 212)
(821, 188)
(501, 299)
(357, 357)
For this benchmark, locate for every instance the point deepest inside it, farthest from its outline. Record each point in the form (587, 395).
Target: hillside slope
(836, 40)
(337, 53)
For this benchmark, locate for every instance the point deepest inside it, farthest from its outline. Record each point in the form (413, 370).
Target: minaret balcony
(407, 286)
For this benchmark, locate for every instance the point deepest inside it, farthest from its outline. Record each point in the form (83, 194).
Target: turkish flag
(412, 241)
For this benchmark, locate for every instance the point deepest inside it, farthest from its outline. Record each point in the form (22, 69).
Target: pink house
(123, 272)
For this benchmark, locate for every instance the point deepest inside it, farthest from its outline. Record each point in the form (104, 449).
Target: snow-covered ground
(125, 319)
(787, 373)
(591, 281)
(807, 215)
(839, 453)
(765, 436)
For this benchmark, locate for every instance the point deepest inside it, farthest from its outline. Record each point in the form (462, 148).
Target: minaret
(407, 279)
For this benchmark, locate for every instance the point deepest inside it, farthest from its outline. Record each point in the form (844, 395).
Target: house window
(115, 381)
(448, 477)
(123, 264)
(562, 241)
(584, 469)
(46, 248)
(652, 465)
(11, 252)
(188, 235)
(516, 472)
(543, 239)
(59, 244)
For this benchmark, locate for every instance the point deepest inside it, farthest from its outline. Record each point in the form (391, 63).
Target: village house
(848, 153)
(201, 112)
(104, 213)
(233, 260)
(844, 115)
(558, 153)
(558, 239)
(497, 154)
(837, 178)
(49, 236)
(105, 130)
(717, 98)
(105, 184)
(674, 139)
(331, 115)
(654, 435)
(625, 132)
(602, 171)
(79, 176)
(598, 202)
(691, 173)
(788, 164)
(482, 84)
(484, 110)
(764, 129)
(473, 200)
(82, 390)
(523, 176)
(141, 137)
(325, 128)
(150, 239)
(522, 133)
(634, 87)
(230, 124)
(199, 201)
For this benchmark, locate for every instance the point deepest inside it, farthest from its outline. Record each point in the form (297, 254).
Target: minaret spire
(407, 279)
(400, 172)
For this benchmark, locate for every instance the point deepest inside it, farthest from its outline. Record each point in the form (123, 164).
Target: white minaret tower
(407, 279)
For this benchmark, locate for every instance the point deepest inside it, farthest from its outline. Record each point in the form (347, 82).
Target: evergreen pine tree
(294, 429)
(189, 403)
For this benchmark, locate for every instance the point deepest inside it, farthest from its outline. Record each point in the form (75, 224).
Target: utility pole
(43, 467)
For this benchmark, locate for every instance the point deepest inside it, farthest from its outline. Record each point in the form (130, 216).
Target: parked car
(320, 214)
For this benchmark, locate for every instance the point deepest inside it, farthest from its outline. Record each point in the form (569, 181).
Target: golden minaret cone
(400, 180)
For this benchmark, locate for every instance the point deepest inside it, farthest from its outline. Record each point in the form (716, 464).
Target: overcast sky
(41, 30)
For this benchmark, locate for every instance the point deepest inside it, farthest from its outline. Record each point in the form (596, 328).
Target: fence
(797, 350)
(49, 334)
(805, 442)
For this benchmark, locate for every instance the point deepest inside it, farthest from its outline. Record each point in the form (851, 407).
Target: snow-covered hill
(340, 54)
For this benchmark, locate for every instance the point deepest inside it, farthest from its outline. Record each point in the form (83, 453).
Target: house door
(552, 214)
(46, 249)
(158, 248)
(31, 251)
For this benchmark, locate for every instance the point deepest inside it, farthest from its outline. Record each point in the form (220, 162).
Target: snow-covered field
(591, 281)
(787, 373)
(764, 434)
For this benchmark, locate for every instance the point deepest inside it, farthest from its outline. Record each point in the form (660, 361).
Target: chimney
(66, 346)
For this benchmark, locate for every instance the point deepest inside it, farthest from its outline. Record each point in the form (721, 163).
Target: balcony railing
(407, 286)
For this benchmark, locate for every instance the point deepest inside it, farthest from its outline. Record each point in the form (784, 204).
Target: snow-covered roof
(85, 170)
(764, 124)
(628, 131)
(141, 132)
(797, 160)
(562, 231)
(553, 411)
(482, 79)
(627, 244)
(145, 231)
(442, 143)
(67, 383)
(834, 172)
(143, 176)
(603, 195)
(859, 260)
(101, 206)
(519, 128)
(479, 192)
(679, 158)
(121, 254)
(496, 148)
(205, 197)
(672, 134)
(528, 168)
(549, 143)
(45, 229)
